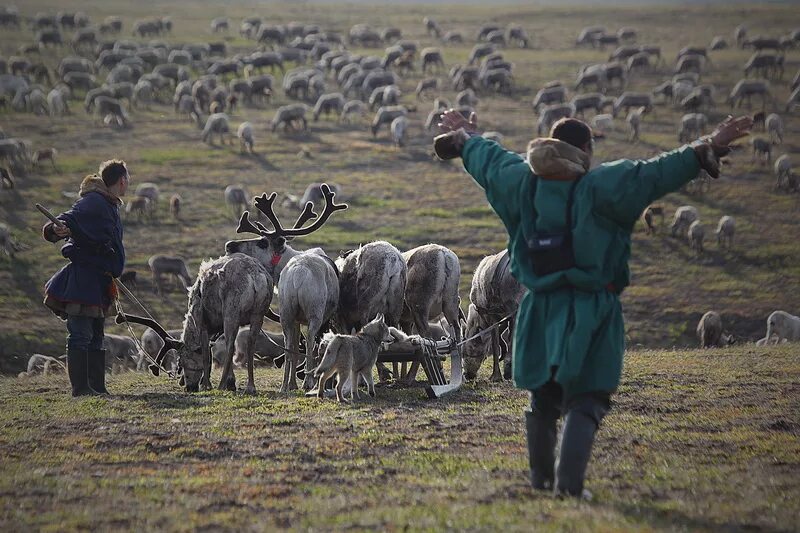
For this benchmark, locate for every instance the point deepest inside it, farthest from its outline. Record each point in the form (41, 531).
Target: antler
(248, 226)
(265, 204)
(329, 209)
(307, 214)
(169, 342)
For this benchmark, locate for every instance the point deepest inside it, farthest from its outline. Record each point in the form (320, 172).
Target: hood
(556, 160)
(94, 183)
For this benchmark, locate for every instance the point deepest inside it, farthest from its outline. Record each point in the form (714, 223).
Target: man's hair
(112, 171)
(572, 131)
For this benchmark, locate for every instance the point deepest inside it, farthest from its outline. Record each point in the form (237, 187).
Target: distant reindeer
(39, 156)
(161, 265)
(236, 199)
(175, 206)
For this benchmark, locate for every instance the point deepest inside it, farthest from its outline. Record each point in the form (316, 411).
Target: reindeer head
(475, 350)
(190, 366)
(270, 246)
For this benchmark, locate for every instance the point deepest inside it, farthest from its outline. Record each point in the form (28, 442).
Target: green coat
(569, 324)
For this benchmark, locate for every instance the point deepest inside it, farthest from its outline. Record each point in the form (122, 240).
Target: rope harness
(432, 349)
(136, 340)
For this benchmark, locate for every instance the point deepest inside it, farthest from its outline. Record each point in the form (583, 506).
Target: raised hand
(452, 120)
(731, 129)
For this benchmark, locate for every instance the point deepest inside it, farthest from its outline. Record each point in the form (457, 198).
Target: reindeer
(432, 282)
(40, 156)
(372, 281)
(163, 264)
(175, 206)
(308, 282)
(494, 295)
(230, 291)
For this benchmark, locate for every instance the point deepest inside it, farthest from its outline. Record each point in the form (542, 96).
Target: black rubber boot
(97, 371)
(541, 449)
(77, 361)
(580, 426)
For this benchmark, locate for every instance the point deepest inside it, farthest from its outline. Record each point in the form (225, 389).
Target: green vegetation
(697, 440)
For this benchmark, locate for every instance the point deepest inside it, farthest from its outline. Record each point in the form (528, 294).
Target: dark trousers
(85, 332)
(582, 415)
(549, 402)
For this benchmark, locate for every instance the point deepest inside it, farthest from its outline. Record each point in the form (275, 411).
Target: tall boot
(580, 426)
(77, 361)
(97, 371)
(541, 431)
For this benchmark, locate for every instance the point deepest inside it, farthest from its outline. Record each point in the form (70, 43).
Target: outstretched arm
(499, 172)
(622, 190)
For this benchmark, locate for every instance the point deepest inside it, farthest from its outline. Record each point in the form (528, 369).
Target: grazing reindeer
(6, 179)
(308, 282)
(236, 198)
(163, 264)
(40, 156)
(494, 294)
(128, 278)
(649, 218)
(175, 206)
(431, 290)
(140, 205)
(373, 280)
(230, 291)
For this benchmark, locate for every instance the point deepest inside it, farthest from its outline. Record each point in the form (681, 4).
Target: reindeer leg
(354, 376)
(228, 379)
(289, 342)
(255, 329)
(205, 382)
(507, 368)
(314, 326)
(496, 375)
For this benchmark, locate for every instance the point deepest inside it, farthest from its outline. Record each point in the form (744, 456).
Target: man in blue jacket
(83, 290)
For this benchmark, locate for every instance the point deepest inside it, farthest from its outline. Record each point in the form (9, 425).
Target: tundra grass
(696, 440)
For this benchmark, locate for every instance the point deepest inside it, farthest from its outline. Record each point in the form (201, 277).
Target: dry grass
(697, 440)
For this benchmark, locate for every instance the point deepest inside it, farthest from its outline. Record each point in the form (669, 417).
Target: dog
(352, 356)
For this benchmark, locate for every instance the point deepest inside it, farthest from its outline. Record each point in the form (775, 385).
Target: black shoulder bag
(552, 252)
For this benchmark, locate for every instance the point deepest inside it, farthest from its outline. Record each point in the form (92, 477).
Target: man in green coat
(569, 230)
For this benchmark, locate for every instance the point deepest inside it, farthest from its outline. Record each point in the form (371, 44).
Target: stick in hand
(60, 229)
(50, 215)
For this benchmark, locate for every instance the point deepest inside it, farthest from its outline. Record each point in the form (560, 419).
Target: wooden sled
(429, 354)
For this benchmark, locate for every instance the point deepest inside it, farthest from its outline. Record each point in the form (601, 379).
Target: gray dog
(352, 356)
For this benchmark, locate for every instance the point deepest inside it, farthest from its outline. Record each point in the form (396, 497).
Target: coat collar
(94, 183)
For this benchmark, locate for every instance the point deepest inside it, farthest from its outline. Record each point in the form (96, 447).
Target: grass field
(696, 441)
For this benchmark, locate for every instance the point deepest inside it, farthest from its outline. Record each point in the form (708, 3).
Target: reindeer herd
(407, 289)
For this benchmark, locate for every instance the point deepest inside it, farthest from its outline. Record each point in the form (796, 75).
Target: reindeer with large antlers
(230, 291)
(308, 282)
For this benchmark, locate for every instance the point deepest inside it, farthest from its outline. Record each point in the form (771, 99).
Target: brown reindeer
(175, 206)
(40, 156)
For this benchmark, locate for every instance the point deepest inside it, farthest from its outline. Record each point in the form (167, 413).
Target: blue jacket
(95, 250)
